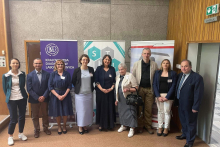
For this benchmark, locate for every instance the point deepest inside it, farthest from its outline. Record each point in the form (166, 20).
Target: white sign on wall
(2, 61)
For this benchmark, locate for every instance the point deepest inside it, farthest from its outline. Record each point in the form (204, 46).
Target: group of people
(53, 90)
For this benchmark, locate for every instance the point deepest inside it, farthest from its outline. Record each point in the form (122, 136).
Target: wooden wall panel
(186, 24)
(5, 44)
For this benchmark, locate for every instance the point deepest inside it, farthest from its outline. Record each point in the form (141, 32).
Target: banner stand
(67, 50)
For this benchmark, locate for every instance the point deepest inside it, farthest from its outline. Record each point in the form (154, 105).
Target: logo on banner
(52, 49)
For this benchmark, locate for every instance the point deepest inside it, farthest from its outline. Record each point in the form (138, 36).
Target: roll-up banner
(96, 49)
(67, 50)
(160, 50)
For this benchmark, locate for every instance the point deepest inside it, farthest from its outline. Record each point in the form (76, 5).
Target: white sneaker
(22, 136)
(131, 132)
(121, 129)
(10, 141)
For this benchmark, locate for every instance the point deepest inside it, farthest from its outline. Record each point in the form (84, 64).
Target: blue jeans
(13, 106)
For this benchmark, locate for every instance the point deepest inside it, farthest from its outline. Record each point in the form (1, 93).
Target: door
(32, 52)
(205, 60)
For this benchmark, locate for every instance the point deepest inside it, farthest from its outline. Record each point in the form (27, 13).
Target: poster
(160, 50)
(96, 50)
(67, 50)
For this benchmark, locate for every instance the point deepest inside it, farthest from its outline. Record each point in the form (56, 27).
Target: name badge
(169, 80)
(62, 77)
(127, 76)
(91, 75)
(110, 75)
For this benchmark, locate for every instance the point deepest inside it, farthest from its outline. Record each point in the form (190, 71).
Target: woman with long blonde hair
(164, 85)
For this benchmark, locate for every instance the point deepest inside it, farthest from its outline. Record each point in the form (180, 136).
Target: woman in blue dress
(60, 101)
(105, 83)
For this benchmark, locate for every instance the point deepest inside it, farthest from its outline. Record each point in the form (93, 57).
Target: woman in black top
(105, 103)
(164, 88)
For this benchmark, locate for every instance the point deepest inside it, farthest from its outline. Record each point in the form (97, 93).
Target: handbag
(134, 99)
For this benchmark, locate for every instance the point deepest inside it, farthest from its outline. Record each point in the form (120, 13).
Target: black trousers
(13, 106)
(188, 121)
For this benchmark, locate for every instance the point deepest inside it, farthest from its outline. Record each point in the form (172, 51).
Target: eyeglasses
(85, 60)
(60, 64)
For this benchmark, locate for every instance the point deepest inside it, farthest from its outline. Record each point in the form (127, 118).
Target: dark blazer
(35, 89)
(7, 83)
(171, 85)
(99, 75)
(191, 92)
(76, 78)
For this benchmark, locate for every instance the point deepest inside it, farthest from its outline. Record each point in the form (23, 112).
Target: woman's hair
(18, 62)
(83, 55)
(55, 65)
(169, 68)
(123, 65)
(109, 58)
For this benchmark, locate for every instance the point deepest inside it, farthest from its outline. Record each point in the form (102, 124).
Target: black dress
(105, 103)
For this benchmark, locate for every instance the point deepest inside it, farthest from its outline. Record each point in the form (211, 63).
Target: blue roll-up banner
(67, 50)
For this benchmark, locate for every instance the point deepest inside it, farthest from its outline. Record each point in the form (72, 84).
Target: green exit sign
(212, 9)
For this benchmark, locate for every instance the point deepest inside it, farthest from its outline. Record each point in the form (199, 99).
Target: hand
(43, 98)
(164, 99)
(160, 99)
(104, 90)
(109, 89)
(116, 103)
(126, 90)
(194, 111)
(62, 97)
(58, 96)
(40, 99)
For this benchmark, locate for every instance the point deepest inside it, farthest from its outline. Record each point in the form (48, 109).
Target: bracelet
(111, 88)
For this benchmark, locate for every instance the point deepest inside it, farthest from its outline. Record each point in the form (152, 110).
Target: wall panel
(5, 44)
(186, 24)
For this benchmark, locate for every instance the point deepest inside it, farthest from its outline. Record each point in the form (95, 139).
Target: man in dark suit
(189, 92)
(37, 87)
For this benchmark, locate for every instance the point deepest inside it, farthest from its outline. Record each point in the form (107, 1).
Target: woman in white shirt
(16, 98)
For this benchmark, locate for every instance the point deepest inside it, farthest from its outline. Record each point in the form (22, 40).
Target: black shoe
(159, 134)
(64, 132)
(59, 132)
(85, 131)
(164, 135)
(110, 129)
(81, 132)
(180, 137)
(188, 145)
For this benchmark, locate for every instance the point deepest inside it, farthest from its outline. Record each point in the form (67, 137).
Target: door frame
(27, 67)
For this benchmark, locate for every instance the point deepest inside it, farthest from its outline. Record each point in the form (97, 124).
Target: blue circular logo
(52, 49)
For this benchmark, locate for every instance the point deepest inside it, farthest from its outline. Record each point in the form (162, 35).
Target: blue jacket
(99, 75)
(35, 89)
(171, 85)
(191, 92)
(7, 83)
